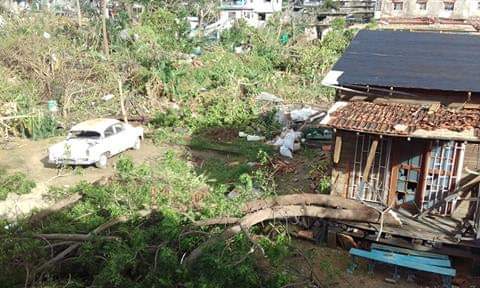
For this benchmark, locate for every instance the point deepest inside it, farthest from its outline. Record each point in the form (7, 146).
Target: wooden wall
(340, 170)
(472, 153)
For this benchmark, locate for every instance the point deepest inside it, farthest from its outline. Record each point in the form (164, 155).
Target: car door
(121, 137)
(110, 142)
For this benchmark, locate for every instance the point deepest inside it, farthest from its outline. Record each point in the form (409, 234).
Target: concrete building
(254, 12)
(450, 9)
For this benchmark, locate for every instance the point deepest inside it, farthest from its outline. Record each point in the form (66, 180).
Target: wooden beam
(395, 165)
(338, 149)
(370, 159)
(426, 158)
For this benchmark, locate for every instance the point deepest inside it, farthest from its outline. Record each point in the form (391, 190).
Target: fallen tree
(283, 207)
(304, 199)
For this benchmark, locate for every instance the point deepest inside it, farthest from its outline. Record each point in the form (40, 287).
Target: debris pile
(294, 120)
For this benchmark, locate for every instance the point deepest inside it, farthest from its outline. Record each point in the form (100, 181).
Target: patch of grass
(239, 147)
(17, 183)
(222, 171)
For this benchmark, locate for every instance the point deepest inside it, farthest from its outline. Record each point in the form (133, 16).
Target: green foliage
(214, 90)
(329, 5)
(39, 127)
(324, 185)
(169, 118)
(148, 251)
(278, 248)
(17, 183)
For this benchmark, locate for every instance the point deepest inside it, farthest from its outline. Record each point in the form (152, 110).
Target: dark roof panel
(437, 61)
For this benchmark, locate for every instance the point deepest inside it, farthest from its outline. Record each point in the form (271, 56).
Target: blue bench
(406, 258)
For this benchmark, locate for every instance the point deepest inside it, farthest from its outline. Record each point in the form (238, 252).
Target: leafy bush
(149, 251)
(17, 183)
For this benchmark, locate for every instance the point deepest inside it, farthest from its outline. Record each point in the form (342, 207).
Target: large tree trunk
(281, 208)
(304, 199)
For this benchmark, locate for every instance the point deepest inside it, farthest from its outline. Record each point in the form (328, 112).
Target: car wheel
(137, 144)
(102, 162)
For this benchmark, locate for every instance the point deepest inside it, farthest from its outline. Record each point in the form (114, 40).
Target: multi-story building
(450, 9)
(254, 12)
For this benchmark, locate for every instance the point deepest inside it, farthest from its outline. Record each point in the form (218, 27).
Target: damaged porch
(417, 160)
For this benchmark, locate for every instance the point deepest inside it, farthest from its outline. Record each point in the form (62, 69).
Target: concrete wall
(463, 9)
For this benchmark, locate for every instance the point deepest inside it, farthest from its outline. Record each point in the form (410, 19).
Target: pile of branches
(63, 245)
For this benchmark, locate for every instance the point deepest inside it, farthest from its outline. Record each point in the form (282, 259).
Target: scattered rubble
(293, 119)
(108, 97)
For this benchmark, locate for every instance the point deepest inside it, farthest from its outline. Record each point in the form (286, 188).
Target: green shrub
(17, 183)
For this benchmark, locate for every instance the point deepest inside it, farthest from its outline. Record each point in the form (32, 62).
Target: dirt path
(29, 157)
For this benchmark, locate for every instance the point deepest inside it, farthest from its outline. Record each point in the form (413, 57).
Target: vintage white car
(94, 141)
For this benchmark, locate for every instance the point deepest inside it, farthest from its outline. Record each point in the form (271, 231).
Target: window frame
(122, 127)
(105, 131)
(447, 4)
(400, 3)
(422, 5)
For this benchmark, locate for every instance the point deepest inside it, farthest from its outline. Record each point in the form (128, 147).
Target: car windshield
(84, 134)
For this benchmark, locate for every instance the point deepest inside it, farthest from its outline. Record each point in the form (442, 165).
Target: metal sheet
(438, 61)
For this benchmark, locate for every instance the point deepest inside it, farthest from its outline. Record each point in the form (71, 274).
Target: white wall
(250, 11)
(463, 9)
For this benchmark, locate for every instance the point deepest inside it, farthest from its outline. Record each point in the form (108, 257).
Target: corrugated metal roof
(407, 120)
(437, 61)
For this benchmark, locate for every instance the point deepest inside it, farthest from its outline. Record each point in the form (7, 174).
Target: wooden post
(338, 149)
(395, 166)
(422, 185)
(106, 49)
(79, 13)
(122, 102)
(370, 159)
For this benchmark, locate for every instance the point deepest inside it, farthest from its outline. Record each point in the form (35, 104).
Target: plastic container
(52, 105)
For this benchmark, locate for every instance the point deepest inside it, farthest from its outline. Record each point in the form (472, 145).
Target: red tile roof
(401, 119)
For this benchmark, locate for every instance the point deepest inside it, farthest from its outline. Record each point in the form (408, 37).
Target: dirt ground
(30, 157)
(330, 266)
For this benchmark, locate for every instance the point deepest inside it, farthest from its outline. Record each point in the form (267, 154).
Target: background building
(452, 9)
(254, 12)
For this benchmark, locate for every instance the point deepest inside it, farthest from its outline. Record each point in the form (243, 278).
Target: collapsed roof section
(419, 60)
(405, 120)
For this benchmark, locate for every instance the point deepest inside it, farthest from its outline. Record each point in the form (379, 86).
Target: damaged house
(407, 133)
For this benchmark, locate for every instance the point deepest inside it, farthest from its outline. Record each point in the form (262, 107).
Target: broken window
(441, 174)
(448, 6)
(262, 16)
(376, 188)
(397, 6)
(408, 181)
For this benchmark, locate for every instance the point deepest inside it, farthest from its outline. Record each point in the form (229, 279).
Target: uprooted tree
(255, 212)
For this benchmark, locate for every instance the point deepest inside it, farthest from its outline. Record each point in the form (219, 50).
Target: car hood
(72, 148)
